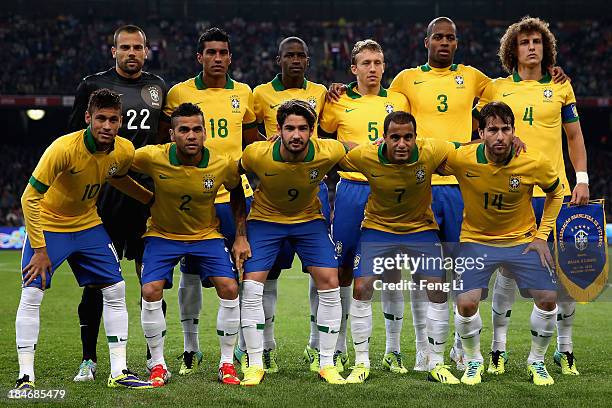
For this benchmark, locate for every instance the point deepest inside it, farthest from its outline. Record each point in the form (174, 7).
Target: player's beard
(135, 68)
(292, 149)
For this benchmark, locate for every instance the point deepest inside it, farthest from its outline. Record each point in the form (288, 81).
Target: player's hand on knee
(241, 251)
(39, 265)
(541, 247)
(580, 195)
(336, 90)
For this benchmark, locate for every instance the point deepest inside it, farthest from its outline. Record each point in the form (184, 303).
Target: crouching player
(499, 229)
(187, 176)
(62, 223)
(286, 207)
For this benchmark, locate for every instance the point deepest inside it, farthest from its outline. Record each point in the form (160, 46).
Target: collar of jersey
(276, 154)
(278, 86)
(383, 159)
(481, 157)
(545, 79)
(90, 142)
(426, 68)
(174, 160)
(353, 94)
(199, 82)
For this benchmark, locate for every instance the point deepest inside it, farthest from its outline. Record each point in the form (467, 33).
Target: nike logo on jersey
(349, 110)
(164, 177)
(470, 175)
(507, 94)
(271, 174)
(418, 82)
(376, 175)
(73, 171)
(274, 106)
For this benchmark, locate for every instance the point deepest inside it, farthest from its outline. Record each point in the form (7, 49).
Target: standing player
(358, 117)
(230, 122)
(286, 207)
(499, 228)
(59, 207)
(183, 222)
(291, 83)
(398, 219)
(142, 96)
(527, 50)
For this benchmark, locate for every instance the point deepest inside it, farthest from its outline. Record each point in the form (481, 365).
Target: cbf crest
(582, 250)
(548, 95)
(389, 107)
(312, 101)
(514, 183)
(112, 170)
(235, 103)
(208, 182)
(459, 81)
(152, 96)
(313, 175)
(420, 174)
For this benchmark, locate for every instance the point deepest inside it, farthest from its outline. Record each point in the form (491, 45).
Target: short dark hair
(400, 118)
(213, 34)
(368, 44)
(495, 110)
(185, 110)
(437, 20)
(103, 98)
(130, 28)
(296, 107)
(291, 40)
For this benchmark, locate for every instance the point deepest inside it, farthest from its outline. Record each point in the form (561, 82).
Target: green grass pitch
(59, 351)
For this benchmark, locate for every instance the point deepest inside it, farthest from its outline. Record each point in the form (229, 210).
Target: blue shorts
(447, 206)
(324, 199)
(538, 208)
(90, 253)
(351, 199)
(310, 239)
(526, 268)
(375, 247)
(208, 257)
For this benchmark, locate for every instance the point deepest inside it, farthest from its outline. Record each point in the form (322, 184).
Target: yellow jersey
(269, 96)
(184, 207)
(400, 197)
(360, 118)
(441, 100)
(287, 191)
(540, 108)
(497, 198)
(226, 111)
(62, 193)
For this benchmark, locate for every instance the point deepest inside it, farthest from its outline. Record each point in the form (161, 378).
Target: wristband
(582, 177)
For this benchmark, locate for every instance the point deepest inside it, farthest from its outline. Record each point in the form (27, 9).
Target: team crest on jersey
(235, 103)
(548, 94)
(389, 107)
(312, 101)
(208, 183)
(459, 81)
(313, 174)
(514, 182)
(356, 261)
(420, 174)
(338, 248)
(152, 96)
(112, 170)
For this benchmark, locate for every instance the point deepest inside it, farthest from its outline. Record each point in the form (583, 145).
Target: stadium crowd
(49, 56)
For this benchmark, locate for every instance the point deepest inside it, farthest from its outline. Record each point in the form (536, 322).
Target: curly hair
(508, 44)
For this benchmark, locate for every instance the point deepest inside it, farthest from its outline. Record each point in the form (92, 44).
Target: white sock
(456, 339)
(504, 292)
(393, 311)
(361, 329)
(346, 295)
(565, 321)
(542, 330)
(154, 328)
(253, 320)
(437, 331)
(241, 342)
(269, 304)
(115, 316)
(190, 304)
(313, 297)
(419, 302)
(328, 322)
(27, 327)
(468, 328)
(228, 324)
